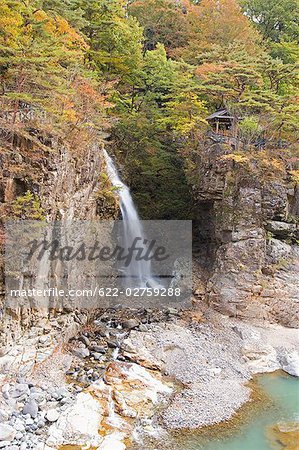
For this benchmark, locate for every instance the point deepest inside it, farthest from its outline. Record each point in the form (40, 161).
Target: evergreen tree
(276, 20)
(115, 40)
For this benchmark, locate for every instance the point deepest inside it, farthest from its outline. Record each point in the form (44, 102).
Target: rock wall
(66, 184)
(253, 235)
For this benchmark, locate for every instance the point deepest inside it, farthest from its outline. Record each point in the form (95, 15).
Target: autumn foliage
(150, 72)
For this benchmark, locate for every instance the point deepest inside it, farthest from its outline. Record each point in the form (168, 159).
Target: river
(258, 433)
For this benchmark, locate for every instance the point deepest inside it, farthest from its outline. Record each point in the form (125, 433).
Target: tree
(218, 23)
(68, 9)
(250, 129)
(277, 20)
(163, 21)
(153, 168)
(186, 113)
(228, 75)
(38, 56)
(45, 84)
(115, 40)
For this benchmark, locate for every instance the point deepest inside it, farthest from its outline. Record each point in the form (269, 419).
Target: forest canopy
(150, 72)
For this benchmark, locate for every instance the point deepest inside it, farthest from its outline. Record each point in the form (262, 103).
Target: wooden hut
(222, 122)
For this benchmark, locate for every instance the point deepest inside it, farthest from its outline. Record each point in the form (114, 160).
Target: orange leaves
(222, 22)
(217, 23)
(84, 106)
(89, 93)
(206, 69)
(44, 78)
(59, 27)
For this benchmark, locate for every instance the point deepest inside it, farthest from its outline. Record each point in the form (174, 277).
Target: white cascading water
(138, 273)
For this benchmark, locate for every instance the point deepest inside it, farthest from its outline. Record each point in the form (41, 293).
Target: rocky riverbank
(121, 379)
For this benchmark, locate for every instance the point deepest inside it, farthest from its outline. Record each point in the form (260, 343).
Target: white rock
(290, 363)
(113, 441)
(260, 357)
(81, 352)
(19, 390)
(18, 425)
(78, 424)
(52, 415)
(7, 433)
(4, 415)
(213, 371)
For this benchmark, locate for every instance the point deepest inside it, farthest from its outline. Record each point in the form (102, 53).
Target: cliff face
(248, 235)
(45, 179)
(66, 183)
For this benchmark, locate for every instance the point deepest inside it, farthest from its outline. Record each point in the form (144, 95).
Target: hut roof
(221, 114)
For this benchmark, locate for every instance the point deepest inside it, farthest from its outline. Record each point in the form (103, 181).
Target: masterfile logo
(90, 264)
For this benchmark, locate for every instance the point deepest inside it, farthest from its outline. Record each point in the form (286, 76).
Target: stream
(260, 432)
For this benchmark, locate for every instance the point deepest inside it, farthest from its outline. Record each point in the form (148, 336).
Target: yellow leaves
(20, 27)
(10, 24)
(295, 175)
(267, 164)
(59, 27)
(69, 115)
(41, 16)
(186, 113)
(273, 164)
(237, 157)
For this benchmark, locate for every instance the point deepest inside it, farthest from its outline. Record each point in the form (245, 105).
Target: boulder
(260, 357)
(78, 424)
(113, 441)
(7, 433)
(290, 362)
(281, 229)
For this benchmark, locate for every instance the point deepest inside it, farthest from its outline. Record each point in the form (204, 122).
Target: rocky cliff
(41, 178)
(247, 233)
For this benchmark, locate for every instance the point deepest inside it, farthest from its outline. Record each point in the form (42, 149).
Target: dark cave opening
(204, 235)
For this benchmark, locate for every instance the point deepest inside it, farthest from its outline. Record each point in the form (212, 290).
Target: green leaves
(277, 20)
(27, 207)
(115, 40)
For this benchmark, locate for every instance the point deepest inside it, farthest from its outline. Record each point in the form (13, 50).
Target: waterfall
(138, 273)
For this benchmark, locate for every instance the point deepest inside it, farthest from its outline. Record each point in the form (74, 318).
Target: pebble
(52, 415)
(112, 343)
(19, 390)
(85, 340)
(3, 415)
(98, 349)
(81, 352)
(18, 425)
(129, 324)
(31, 408)
(29, 421)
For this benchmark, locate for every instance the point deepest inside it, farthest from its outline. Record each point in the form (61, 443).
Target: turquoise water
(284, 407)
